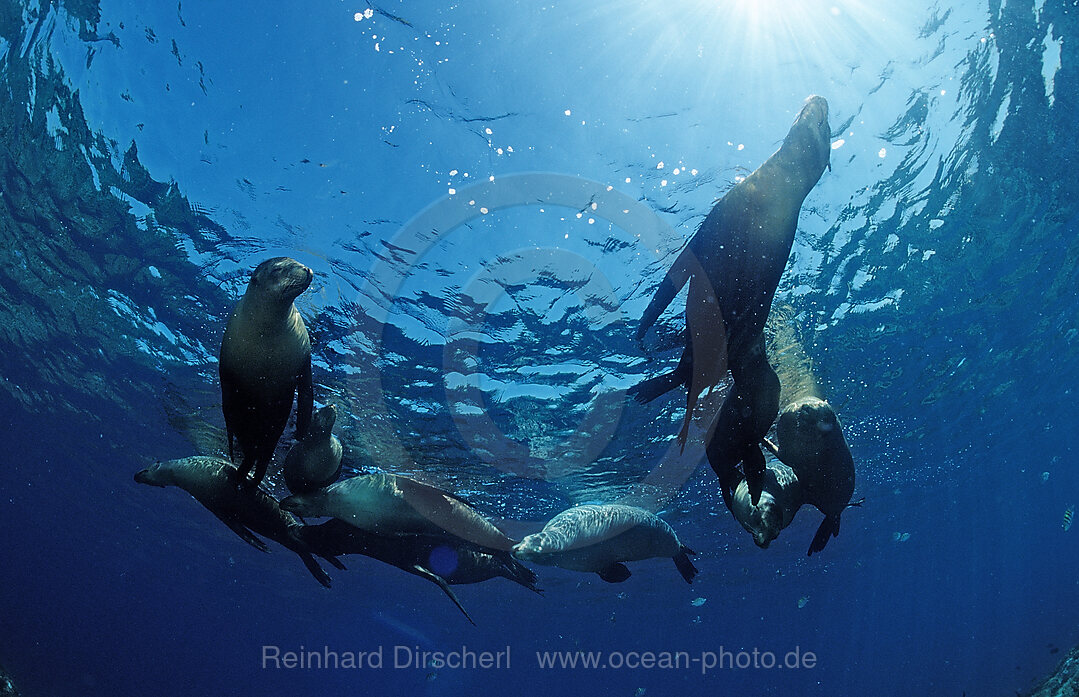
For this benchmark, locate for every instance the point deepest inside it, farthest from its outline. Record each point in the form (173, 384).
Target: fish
(1068, 515)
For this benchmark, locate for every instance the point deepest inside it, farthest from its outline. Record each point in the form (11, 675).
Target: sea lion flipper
(706, 343)
(829, 527)
(684, 565)
(683, 434)
(615, 573)
(243, 533)
(441, 583)
(644, 392)
(518, 572)
(676, 277)
(647, 390)
(317, 571)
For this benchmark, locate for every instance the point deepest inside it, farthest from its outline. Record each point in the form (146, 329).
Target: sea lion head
(322, 422)
(810, 137)
(533, 547)
(764, 521)
(807, 428)
(161, 474)
(281, 278)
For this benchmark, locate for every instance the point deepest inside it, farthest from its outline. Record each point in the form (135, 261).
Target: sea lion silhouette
(733, 265)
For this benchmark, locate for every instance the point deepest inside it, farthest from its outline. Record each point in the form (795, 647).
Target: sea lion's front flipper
(676, 277)
(615, 573)
(647, 390)
(829, 527)
(452, 515)
(244, 534)
(317, 571)
(441, 583)
(685, 566)
(706, 335)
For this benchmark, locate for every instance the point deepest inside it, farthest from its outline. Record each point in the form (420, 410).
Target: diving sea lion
(810, 441)
(315, 461)
(441, 559)
(733, 264)
(246, 511)
(781, 497)
(391, 504)
(265, 360)
(744, 417)
(599, 537)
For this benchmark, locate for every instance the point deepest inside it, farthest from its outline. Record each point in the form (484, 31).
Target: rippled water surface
(489, 195)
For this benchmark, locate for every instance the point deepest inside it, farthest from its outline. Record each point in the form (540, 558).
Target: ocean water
(489, 194)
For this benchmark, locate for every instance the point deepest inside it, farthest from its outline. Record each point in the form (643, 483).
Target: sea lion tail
(676, 277)
(685, 566)
(829, 527)
(317, 571)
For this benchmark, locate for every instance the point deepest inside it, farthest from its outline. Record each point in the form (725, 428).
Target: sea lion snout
(529, 548)
(293, 504)
(150, 476)
(284, 276)
(813, 118)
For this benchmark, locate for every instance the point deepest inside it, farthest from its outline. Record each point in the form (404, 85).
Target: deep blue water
(152, 156)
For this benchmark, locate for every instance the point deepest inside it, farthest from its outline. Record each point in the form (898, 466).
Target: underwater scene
(643, 348)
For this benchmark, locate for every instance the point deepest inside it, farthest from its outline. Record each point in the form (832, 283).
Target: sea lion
(744, 418)
(781, 497)
(245, 511)
(315, 461)
(266, 360)
(599, 537)
(810, 441)
(733, 265)
(441, 559)
(391, 504)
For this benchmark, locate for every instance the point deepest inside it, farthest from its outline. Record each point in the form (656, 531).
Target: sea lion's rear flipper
(317, 571)
(676, 277)
(685, 566)
(304, 542)
(244, 534)
(857, 503)
(334, 561)
(441, 583)
(518, 572)
(615, 573)
(829, 527)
